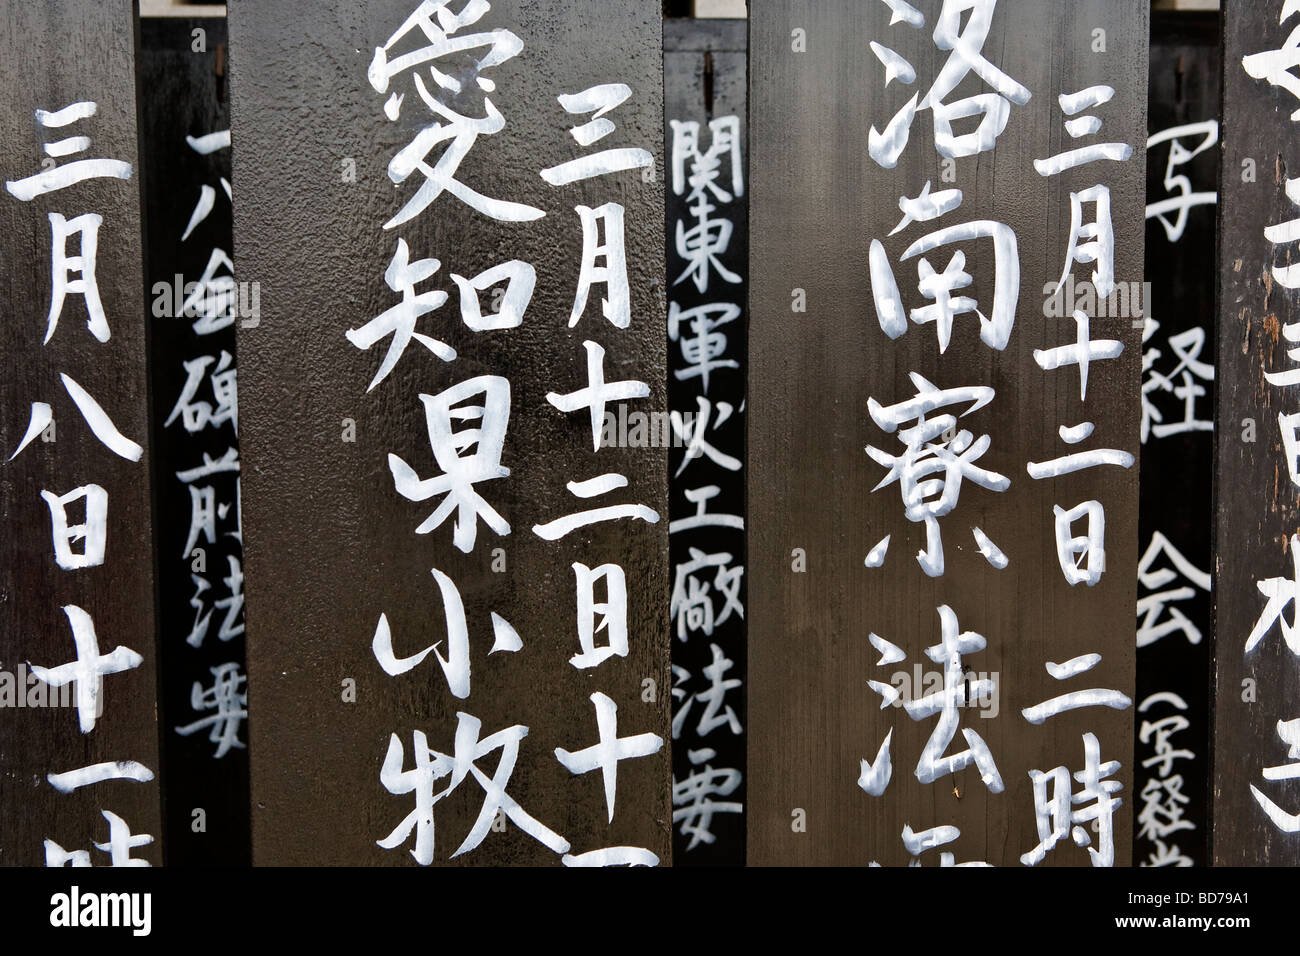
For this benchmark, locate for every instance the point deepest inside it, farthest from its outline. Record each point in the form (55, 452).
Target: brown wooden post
(1257, 659)
(78, 728)
(866, 244)
(430, 584)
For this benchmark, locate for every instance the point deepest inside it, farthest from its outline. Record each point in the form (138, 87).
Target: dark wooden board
(1255, 495)
(54, 55)
(184, 105)
(817, 199)
(707, 220)
(330, 543)
(1175, 637)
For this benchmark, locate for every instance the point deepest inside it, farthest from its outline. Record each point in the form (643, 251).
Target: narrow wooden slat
(194, 307)
(76, 569)
(1175, 635)
(1257, 660)
(707, 245)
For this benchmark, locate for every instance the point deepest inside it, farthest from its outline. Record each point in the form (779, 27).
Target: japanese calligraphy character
(460, 471)
(1151, 606)
(1166, 854)
(459, 131)
(617, 304)
(692, 605)
(703, 348)
(228, 699)
(703, 518)
(1281, 593)
(597, 392)
(609, 615)
(1276, 66)
(708, 238)
(917, 843)
(596, 100)
(205, 511)
(713, 699)
(995, 329)
(232, 624)
(1093, 697)
(431, 766)
(693, 803)
(948, 652)
(1079, 460)
(693, 432)
(590, 488)
(965, 57)
(1091, 242)
(1187, 346)
(212, 300)
(399, 320)
(1086, 125)
(938, 456)
(89, 669)
(1290, 332)
(72, 780)
(121, 841)
(612, 856)
(206, 145)
(1289, 733)
(76, 274)
(93, 530)
(1182, 199)
(197, 415)
(520, 278)
(605, 755)
(1082, 557)
(1081, 352)
(101, 426)
(1057, 818)
(455, 666)
(67, 174)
